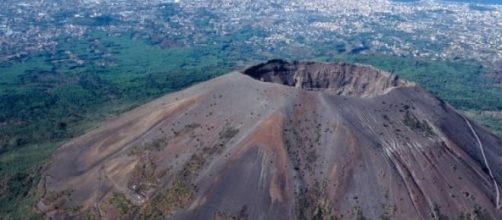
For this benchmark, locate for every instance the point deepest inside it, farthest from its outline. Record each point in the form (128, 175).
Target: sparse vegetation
(143, 177)
(60, 201)
(357, 213)
(437, 213)
(416, 125)
(88, 215)
(180, 192)
(323, 211)
(388, 212)
(188, 128)
(54, 197)
(122, 204)
(477, 213)
(225, 136)
(224, 215)
(221, 215)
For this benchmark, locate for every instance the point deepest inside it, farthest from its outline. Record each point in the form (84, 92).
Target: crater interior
(334, 78)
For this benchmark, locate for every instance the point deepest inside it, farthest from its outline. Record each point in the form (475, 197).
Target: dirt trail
(480, 144)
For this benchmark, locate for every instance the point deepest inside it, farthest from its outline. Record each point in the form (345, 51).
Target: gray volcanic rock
(332, 78)
(281, 140)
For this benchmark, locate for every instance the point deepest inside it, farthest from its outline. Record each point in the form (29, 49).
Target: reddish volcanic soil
(281, 140)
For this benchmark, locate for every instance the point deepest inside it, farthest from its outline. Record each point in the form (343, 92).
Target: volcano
(282, 140)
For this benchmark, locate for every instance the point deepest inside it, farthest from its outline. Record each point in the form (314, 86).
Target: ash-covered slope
(305, 141)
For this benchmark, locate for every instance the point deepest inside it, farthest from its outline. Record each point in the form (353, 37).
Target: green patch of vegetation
(122, 204)
(489, 119)
(20, 171)
(12, 74)
(179, 194)
(416, 125)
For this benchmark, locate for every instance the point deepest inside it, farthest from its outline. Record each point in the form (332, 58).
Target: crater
(333, 78)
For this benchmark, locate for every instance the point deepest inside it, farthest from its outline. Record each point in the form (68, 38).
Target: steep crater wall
(334, 78)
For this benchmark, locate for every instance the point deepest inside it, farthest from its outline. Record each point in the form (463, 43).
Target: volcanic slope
(280, 140)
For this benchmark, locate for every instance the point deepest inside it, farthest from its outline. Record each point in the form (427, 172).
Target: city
(370, 26)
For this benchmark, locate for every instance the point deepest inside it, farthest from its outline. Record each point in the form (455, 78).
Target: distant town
(431, 29)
